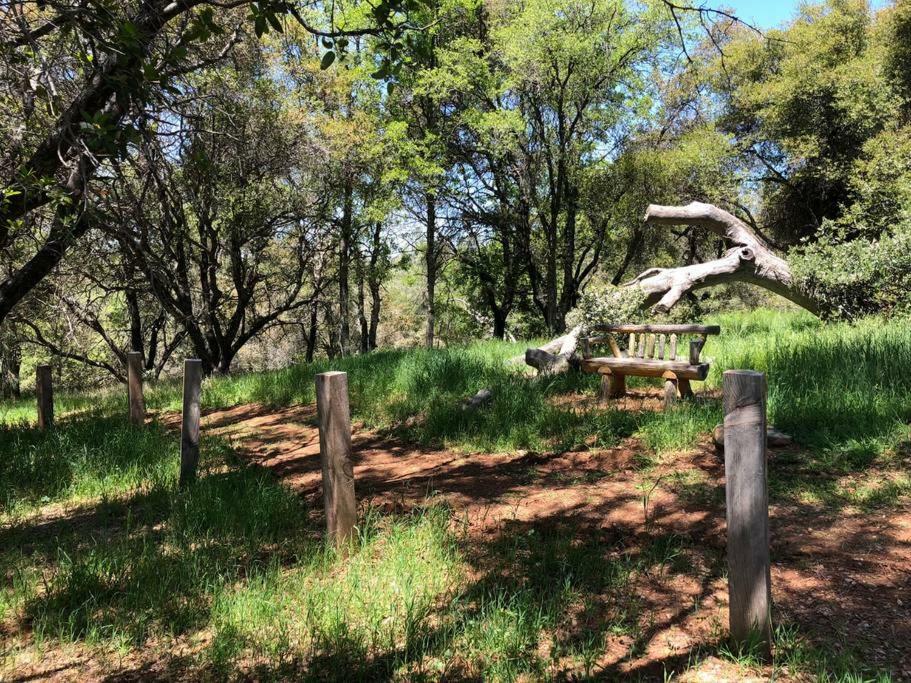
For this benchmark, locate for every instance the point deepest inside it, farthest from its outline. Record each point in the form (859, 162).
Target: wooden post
(670, 392)
(189, 432)
(749, 566)
(134, 388)
(612, 386)
(44, 390)
(335, 455)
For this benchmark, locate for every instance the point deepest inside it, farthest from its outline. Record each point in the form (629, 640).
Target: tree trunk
(431, 268)
(311, 333)
(374, 280)
(499, 323)
(10, 366)
(344, 266)
(362, 310)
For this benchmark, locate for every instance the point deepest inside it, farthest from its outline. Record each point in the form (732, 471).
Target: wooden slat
(614, 347)
(650, 347)
(641, 352)
(645, 367)
(661, 340)
(667, 329)
(632, 345)
(672, 353)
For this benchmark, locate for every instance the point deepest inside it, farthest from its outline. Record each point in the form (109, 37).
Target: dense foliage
(293, 180)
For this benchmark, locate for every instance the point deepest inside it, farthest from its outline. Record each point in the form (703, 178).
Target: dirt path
(844, 577)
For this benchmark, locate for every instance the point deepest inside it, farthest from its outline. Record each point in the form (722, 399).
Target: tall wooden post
(134, 388)
(189, 432)
(44, 390)
(749, 566)
(335, 455)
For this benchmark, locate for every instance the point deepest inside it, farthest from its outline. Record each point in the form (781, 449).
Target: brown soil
(842, 577)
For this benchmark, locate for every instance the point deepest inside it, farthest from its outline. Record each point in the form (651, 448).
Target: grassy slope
(237, 557)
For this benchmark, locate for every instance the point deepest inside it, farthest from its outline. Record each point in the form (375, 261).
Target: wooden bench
(651, 351)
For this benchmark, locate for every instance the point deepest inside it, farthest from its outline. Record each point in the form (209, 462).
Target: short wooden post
(44, 391)
(134, 388)
(749, 566)
(335, 455)
(189, 432)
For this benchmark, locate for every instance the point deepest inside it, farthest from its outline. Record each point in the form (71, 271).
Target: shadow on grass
(148, 565)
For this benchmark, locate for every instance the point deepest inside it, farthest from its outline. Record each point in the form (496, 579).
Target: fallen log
(556, 356)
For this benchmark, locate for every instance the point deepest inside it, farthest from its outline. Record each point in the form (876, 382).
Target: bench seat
(645, 367)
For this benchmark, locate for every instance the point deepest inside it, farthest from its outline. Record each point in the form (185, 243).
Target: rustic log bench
(651, 351)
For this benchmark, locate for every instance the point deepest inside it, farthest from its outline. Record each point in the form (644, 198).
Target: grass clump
(367, 616)
(81, 458)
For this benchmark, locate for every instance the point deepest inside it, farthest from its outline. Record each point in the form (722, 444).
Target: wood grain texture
(44, 394)
(746, 493)
(189, 427)
(134, 388)
(335, 455)
(645, 367)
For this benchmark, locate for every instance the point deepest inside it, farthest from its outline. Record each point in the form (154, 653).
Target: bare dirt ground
(844, 577)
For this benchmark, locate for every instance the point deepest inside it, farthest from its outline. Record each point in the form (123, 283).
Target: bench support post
(686, 391)
(670, 390)
(613, 386)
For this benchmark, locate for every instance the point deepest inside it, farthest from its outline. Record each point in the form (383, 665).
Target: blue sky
(766, 13)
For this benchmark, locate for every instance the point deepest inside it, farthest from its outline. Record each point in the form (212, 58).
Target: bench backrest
(660, 342)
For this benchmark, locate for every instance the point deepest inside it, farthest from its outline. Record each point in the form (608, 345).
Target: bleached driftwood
(748, 259)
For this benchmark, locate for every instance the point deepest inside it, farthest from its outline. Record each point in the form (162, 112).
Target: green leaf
(274, 21)
(381, 13)
(327, 60)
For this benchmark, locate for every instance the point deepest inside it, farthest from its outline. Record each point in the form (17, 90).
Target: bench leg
(686, 391)
(613, 386)
(670, 393)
